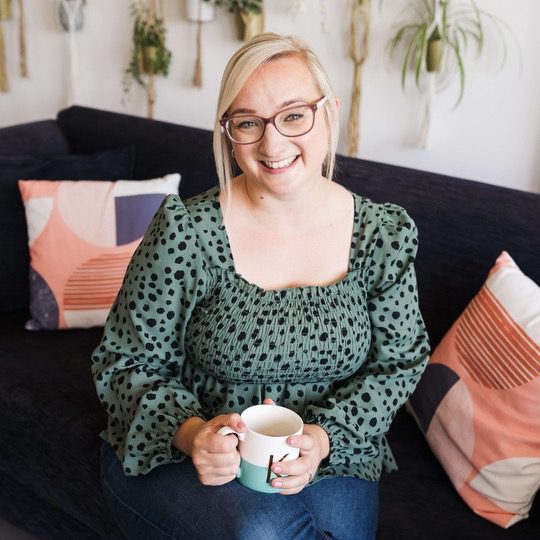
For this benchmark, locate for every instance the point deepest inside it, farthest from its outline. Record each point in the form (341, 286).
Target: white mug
(264, 443)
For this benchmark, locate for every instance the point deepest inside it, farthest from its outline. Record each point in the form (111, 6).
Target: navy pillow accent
(39, 139)
(113, 165)
(160, 147)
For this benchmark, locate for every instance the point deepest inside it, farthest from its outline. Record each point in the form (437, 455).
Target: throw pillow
(478, 402)
(82, 235)
(113, 165)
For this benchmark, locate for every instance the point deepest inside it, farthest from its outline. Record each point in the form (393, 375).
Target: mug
(264, 443)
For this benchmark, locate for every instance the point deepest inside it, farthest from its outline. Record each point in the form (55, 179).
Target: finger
(304, 442)
(216, 443)
(294, 467)
(293, 482)
(268, 401)
(217, 460)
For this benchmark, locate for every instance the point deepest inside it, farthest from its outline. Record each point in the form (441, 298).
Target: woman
(278, 287)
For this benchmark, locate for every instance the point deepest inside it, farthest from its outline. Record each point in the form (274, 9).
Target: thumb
(268, 401)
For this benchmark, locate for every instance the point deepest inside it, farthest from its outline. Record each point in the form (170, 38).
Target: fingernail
(293, 440)
(277, 469)
(278, 484)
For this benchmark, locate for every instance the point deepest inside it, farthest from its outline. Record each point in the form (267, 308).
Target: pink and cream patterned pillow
(81, 236)
(478, 402)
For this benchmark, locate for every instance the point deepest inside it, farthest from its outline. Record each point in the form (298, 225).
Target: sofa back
(463, 225)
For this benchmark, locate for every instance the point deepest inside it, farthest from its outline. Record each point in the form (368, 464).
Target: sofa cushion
(479, 399)
(40, 139)
(82, 235)
(50, 419)
(113, 164)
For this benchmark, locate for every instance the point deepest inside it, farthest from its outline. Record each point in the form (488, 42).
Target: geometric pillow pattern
(81, 236)
(478, 402)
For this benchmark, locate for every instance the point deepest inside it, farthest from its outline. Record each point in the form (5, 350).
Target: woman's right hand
(214, 456)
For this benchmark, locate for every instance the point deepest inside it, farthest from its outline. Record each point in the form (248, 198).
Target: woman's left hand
(294, 475)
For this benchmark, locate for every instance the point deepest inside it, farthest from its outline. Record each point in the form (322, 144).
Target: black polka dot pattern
(188, 336)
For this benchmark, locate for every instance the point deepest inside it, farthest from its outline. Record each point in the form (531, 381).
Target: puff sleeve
(137, 366)
(360, 409)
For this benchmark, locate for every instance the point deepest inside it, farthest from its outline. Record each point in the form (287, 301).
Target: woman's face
(278, 164)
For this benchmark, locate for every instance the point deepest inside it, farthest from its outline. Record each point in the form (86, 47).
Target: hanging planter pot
(71, 14)
(434, 52)
(148, 59)
(5, 10)
(200, 11)
(249, 24)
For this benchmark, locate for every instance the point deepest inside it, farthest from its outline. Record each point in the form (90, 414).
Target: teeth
(279, 164)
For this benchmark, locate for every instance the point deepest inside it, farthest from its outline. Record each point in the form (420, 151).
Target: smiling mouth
(283, 164)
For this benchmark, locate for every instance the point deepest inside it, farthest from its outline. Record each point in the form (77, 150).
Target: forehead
(277, 81)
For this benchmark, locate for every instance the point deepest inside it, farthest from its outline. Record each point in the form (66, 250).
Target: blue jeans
(170, 502)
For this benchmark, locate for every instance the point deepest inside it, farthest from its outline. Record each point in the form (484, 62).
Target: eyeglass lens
(291, 122)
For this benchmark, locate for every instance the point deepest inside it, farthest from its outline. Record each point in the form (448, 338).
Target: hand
(314, 446)
(214, 456)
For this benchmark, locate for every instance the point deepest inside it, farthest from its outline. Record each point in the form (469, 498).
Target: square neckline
(300, 288)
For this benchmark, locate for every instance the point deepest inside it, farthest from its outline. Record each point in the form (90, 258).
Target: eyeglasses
(290, 122)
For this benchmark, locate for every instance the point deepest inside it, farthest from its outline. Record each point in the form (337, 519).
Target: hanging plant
(149, 56)
(432, 41)
(249, 16)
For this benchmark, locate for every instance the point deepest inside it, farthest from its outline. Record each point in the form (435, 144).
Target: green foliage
(149, 53)
(247, 6)
(459, 23)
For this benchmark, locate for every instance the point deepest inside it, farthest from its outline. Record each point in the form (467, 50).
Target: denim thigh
(170, 503)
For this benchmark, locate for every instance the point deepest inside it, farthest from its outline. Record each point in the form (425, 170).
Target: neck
(284, 207)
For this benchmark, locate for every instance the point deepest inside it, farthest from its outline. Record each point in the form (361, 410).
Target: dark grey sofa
(50, 416)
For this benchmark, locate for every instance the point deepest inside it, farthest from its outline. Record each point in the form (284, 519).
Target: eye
(293, 117)
(245, 124)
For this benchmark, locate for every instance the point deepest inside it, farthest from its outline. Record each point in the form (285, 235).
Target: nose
(270, 139)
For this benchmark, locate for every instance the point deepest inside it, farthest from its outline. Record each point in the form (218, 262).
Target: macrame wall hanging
(71, 19)
(358, 50)
(6, 13)
(199, 11)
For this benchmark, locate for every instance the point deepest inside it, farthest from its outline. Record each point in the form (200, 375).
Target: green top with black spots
(188, 336)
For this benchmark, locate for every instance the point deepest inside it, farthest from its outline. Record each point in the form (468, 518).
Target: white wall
(493, 136)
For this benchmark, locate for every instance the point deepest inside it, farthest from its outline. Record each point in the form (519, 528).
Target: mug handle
(226, 430)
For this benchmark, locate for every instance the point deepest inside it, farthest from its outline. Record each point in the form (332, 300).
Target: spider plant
(434, 36)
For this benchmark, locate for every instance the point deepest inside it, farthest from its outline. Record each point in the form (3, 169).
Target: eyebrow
(282, 106)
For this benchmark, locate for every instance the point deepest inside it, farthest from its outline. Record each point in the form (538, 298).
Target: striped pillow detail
(494, 350)
(95, 284)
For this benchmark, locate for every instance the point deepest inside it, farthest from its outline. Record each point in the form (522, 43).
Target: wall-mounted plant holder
(200, 11)
(249, 24)
(71, 15)
(71, 19)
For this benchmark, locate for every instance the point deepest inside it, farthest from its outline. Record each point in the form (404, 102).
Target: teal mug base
(256, 478)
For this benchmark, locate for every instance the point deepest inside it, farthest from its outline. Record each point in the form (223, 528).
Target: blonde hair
(261, 49)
